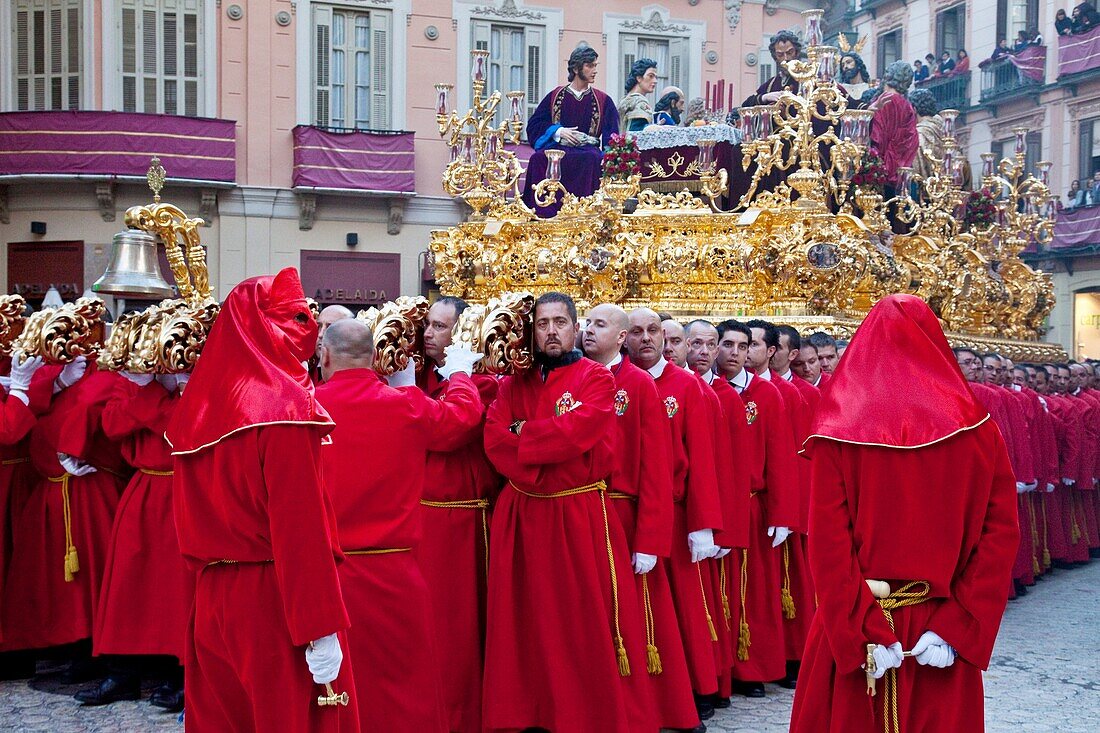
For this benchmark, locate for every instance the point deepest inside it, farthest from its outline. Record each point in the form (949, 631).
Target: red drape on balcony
(355, 160)
(1078, 53)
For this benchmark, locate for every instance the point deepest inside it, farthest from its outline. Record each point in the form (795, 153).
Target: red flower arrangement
(871, 173)
(621, 158)
(981, 210)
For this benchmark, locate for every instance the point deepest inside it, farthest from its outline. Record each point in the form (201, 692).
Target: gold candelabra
(481, 169)
(1025, 207)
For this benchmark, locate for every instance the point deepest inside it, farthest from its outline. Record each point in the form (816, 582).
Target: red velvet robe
(696, 505)
(377, 505)
(1072, 452)
(643, 470)
(550, 652)
(16, 421)
(147, 589)
(959, 533)
(256, 525)
(773, 481)
(894, 136)
(454, 553)
(50, 610)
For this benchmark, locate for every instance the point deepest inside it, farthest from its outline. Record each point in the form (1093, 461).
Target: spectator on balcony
(1076, 195)
(962, 65)
(1034, 37)
(920, 71)
(1094, 190)
(1021, 42)
(933, 66)
(1001, 51)
(669, 108)
(635, 109)
(1062, 23)
(947, 64)
(1085, 18)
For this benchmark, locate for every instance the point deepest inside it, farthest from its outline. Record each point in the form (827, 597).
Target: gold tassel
(1035, 569)
(72, 560)
(1046, 549)
(72, 564)
(652, 656)
(706, 607)
(788, 601)
(624, 661)
(744, 639)
(1046, 557)
(653, 660)
(725, 596)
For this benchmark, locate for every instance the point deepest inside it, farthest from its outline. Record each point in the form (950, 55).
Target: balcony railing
(951, 92)
(1076, 229)
(371, 161)
(1078, 53)
(93, 143)
(1011, 76)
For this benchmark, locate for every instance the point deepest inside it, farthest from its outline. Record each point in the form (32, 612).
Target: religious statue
(635, 109)
(930, 131)
(894, 127)
(784, 46)
(576, 118)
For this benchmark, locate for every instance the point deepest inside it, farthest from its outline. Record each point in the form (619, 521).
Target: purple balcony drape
(365, 161)
(116, 143)
(1076, 228)
(1078, 53)
(1031, 62)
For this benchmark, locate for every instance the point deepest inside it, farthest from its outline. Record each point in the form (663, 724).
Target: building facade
(1053, 89)
(303, 131)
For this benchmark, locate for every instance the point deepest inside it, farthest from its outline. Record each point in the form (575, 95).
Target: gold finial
(156, 177)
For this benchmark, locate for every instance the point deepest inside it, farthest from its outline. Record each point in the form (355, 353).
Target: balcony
(951, 92)
(1013, 76)
(1076, 231)
(335, 160)
(107, 146)
(1078, 55)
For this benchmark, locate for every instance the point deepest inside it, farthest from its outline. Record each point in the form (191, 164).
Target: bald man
(697, 512)
(377, 506)
(675, 344)
(641, 493)
(329, 315)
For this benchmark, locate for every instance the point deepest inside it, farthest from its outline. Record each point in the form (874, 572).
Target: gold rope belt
(706, 607)
(13, 461)
(910, 594)
(481, 505)
(653, 655)
(785, 593)
(601, 488)
(154, 472)
(238, 562)
(1036, 569)
(378, 551)
(744, 637)
(71, 560)
(722, 585)
(1046, 548)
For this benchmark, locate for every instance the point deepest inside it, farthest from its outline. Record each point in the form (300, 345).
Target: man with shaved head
(459, 481)
(697, 511)
(675, 349)
(378, 520)
(641, 494)
(329, 315)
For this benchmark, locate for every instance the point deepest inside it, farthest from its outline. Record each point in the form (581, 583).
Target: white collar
(788, 376)
(709, 377)
(766, 375)
(1017, 388)
(614, 362)
(658, 369)
(742, 380)
(818, 382)
(577, 95)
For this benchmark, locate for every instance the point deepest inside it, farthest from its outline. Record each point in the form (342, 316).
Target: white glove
(168, 381)
(404, 378)
(722, 552)
(182, 379)
(22, 371)
(458, 359)
(1050, 488)
(887, 657)
(1068, 482)
(324, 658)
(75, 466)
(701, 543)
(139, 379)
(71, 374)
(779, 535)
(933, 651)
(643, 563)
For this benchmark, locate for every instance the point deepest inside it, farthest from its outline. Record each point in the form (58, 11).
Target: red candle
(730, 105)
(708, 97)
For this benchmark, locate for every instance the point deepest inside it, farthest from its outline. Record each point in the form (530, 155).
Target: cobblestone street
(1045, 677)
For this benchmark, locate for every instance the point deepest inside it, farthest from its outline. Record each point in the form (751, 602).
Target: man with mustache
(565, 647)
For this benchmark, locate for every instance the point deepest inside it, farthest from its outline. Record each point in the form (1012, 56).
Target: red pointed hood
(898, 385)
(251, 371)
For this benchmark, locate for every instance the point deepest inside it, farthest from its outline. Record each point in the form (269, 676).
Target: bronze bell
(134, 270)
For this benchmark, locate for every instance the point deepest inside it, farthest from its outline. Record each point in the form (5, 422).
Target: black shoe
(1094, 552)
(701, 728)
(1063, 565)
(168, 697)
(749, 689)
(110, 690)
(82, 670)
(1021, 589)
(704, 707)
(719, 702)
(790, 680)
(19, 665)
(788, 683)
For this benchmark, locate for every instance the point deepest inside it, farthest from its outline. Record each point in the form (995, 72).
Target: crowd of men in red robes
(613, 540)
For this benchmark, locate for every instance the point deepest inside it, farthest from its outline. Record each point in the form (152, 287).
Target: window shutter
(380, 71)
(22, 60)
(1002, 20)
(73, 69)
(533, 71)
(482, 31)
(940, 28)
(322, 23)
(149, 60)
(630, 55)
(677, 62)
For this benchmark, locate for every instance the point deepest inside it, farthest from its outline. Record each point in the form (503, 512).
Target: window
(767, 65)
(515, 61)
(950, 26)
(669, 53)
(160, 56)
(889, 50)
(47, 54)
(1014, 16)
(351, 68)
(1089, 148)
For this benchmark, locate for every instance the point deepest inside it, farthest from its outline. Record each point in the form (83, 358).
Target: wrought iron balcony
(1013, 76)
(951, 92)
